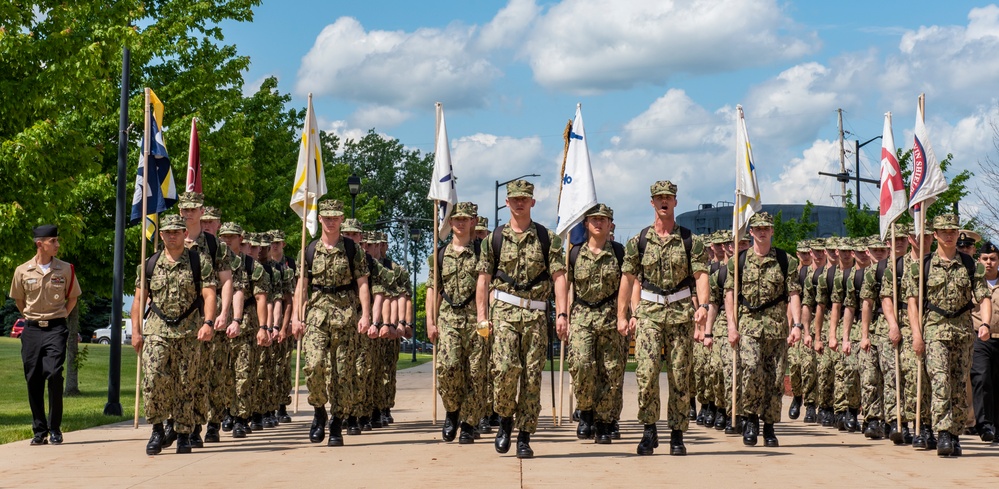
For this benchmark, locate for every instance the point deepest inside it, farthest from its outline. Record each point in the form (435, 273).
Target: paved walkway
(410, 454)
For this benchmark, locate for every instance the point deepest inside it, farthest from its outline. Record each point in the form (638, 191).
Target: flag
(747, 190)
(309, 175)
(927, 178)
(442, 181)
(162, 191)
(892, 202)
(577, 192)
(194, 160)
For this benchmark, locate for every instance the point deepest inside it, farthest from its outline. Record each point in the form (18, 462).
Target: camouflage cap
(230, 228)
(351, 226)
(601, 210)
(277, 236)
(331, 208)
(173, 222)
(805, 245)
(819, 244)
(465, 209)
(968, 238)
(911, 229)
(191, 200)
(251, 239)
(901, 230)
(946, 221)
(366, 237)
(483, 224)
(211, 213)
(520, 188)
(663, 187)
(761, 220)
(264, 239)
(382, 237)
(875, 243)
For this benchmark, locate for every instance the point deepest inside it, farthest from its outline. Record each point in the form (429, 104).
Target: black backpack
(685, 236)
(198, 303)
(782, 260)
(350, 249)
(497, 243)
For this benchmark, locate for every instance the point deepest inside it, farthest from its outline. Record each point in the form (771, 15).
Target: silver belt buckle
(524, 303)
(44, 323)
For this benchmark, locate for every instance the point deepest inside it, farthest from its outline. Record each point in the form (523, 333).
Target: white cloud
(395, 68)
(674, 121)
(379, 116)
(507, 29)
(799, 181)
(344, 130)
(595, 45)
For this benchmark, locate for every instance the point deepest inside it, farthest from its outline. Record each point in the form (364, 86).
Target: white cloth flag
(310, 178)
(442, 183)
(747, 190)
(892, 203)
(927, 178)
(577, 194)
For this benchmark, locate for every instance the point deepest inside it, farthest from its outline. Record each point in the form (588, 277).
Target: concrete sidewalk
(410, 453)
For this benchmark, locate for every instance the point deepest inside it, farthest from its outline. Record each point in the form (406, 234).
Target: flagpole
(568, 246)
(898, 347)
(438, 108)
(301, 254)
(922, 265)
(735, 310)
(142, 267)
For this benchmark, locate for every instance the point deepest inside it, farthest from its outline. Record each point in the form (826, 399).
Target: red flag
(194, 160)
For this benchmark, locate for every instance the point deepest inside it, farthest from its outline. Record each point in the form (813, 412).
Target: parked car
(17, 329)
(103, 335)
(421, 346)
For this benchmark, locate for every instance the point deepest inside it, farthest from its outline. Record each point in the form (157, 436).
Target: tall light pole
(496, 195)
(354, 187)
(416, 234)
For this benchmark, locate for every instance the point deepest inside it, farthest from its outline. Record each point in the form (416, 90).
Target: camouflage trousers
(330, 368)
(825, 380)
(599, 360)
(720, 373)
(221, 377)
(762, 387)
(801, 360)
(282, 371)
(386, 384)
(517, 361)
(651, 340)
(847, 385)
(948, 362)
(365, 352)
(462, 366)
(872, 381)
(699, 374)
(265, 379)
(170, 386)
(244, 358)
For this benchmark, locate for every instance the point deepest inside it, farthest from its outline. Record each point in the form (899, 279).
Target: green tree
(788, 233)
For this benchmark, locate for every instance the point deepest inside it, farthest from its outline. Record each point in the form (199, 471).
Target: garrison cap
(211, 213)
(601, 210)
(465, 209)
(45, 231)
(277, 236)
(988, 248)
(230, 228)
(761, 220)
(173, 222)
(946, 221)
(483, 224)
(663, 187)
(351, 226)
(191, 200)
(520, 188)
(331, 208)
(968, 238)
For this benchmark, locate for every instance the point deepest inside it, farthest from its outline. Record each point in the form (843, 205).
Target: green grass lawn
(86, 410)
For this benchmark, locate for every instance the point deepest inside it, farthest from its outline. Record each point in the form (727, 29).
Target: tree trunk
(72, 348)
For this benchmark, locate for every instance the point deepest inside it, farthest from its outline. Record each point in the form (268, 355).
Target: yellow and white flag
(747, 190)
(310, 179)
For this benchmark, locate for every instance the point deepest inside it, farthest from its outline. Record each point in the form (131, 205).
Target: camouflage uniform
(720, 365)
(520, 335)
(825, 382)
(171, 358)
(391, 347)
(254, 283)
(847, 386)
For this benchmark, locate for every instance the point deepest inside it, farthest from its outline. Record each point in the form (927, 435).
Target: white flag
(310, 178)
(577, 193)
(747, 191)
(927, 178)
(892, 202)
(442, 181)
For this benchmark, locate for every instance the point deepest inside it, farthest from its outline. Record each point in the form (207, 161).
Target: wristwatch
(210, 323)
(263, 327)
(562, 315)
(799, 326)
(238, 320)
(705, 305)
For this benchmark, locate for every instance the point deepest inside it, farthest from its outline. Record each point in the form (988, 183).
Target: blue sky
(658, 82)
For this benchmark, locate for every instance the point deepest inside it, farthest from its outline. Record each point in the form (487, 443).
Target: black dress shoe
(283, 414)
(584, 431)
(484, 426)
(987, 432)
(318, 429)
(795, 410)
(239, 430)
(750, 434)
(601, 433)
(450, 428)
(196, 440)
(502, 443)
(40, 439)
(945, 444)
(721, 420)
(615, 430)
(227, 422)
(155, 445)
(676, 443)
(336, 433)
(169, 435)
(352, 427)
(810, 416)
(467, 436)
(376, 418)
(709, 415)
(650, 440)
(55, 437)
(524, 445)
(183, 443)
(769, 436)
(212, 433)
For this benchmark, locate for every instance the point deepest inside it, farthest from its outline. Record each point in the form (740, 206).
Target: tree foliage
(788, 233)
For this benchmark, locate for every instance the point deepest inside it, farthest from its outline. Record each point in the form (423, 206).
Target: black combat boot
(283, 414)
(155, 445)
(494, 419)
(387, 418)
(239, 428)
(318, 429)
(257, 422)
(730, 426)
(274, 418)
(957, 452)
(266, 420)
(945, 444)
(906, 434)
(676, 443)
(376, 418)
(584, 430)
(650, 440)
(615, 430)
(601, 433)
(336, 433)
(710, 414)
(212, 433)
(795, 410)
(894, 433)
(169, 435)
(196, 440)
(692, 415)
(524, 445)
(851, 420)
(839, 421)
(721, 420)
(931, 441)
(484, 426)
(502, 442)
(575, 415)
(183, 443)
(810, 416)
(699, 419)
(450, 428)
(875, 429)
(365, 423)
(228, 421)
(751, 432)
(352, 427)
(769, 436)
(467, 435)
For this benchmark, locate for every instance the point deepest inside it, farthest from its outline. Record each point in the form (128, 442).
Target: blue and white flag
(577, 192)
(162, 191)
(442, 182)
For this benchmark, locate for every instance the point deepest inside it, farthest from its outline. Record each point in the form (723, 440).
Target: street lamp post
(354, 187)
(496, 195)
(416, 234)
(856, 155)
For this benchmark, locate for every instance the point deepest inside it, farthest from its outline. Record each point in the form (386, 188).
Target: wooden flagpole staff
(142, 269)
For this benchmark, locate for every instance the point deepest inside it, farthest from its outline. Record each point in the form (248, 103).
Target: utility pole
(842, 158)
